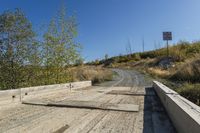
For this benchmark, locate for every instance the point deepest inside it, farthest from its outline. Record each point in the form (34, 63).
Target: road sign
(167, 36)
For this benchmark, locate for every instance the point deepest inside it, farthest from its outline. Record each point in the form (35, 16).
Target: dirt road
(151, 117)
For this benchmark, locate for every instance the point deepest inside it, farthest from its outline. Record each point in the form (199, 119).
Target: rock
(166, 62)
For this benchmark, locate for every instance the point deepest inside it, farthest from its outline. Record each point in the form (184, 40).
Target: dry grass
(190, 71)
(156, 71)
(93, 73)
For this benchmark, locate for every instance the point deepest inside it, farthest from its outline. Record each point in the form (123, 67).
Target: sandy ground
(151, 118)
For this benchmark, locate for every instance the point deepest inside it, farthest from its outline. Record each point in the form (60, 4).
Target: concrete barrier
(184, 114)
(10, 96)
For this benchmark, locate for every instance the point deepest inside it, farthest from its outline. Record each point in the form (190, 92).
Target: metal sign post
(167, 36)
(20, 95)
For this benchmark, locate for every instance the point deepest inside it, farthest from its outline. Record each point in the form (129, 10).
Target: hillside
(180, 71)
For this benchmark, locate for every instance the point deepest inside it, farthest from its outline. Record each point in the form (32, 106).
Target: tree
(33, 67)
(79, 62)
(16, 37)
(106, 56)
(96, 62)
(129, 48)
(60, 49)
(143, 45)
(49, 49)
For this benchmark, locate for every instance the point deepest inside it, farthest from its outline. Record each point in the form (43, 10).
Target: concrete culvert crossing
(124, 105)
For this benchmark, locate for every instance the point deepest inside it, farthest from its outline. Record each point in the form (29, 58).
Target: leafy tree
(96, 62)
(79, 62)
(60, 49)
(49, 49)
(16, 37)
(33, 67)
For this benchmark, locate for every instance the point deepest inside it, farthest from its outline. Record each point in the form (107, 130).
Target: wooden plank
(88, 105)
(120, 92)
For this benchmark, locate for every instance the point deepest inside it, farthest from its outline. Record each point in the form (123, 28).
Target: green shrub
(150, 54)
(193, 49)
(191, 92)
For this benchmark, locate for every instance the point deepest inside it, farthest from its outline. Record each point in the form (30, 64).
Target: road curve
(128, 78)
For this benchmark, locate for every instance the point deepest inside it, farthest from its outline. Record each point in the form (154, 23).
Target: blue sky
(106, 26)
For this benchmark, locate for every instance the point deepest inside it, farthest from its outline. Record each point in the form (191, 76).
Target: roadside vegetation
(96, 74)
(27, 59)
(180, 71)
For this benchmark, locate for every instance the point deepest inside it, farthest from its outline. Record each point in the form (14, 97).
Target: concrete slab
(87, 105)
(184, 114)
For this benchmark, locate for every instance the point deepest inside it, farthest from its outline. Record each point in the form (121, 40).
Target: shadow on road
(155, 117)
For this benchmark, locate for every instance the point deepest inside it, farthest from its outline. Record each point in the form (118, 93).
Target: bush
(191, 92)
(150, 54)
(95, 74)
(189, 72)
(193, 49)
